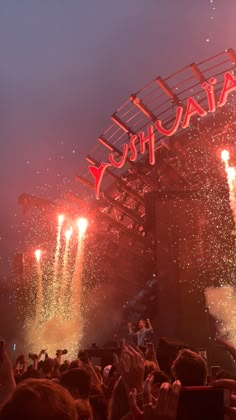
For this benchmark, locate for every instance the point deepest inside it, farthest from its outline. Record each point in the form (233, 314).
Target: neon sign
(183, 117)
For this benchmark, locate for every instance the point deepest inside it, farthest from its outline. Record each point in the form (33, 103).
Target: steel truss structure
(184, 162)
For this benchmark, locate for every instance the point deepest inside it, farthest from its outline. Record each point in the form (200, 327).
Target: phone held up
(203, 403)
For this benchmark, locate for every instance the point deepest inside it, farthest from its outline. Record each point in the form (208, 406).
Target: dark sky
(66, 65)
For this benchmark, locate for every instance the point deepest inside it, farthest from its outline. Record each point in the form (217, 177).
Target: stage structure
(154, 188)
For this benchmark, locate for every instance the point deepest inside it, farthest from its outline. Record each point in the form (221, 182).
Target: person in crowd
(99, 402)
(125, 391)
(158, 378)
(119, 405)
(78, 382)
(84, 410)
(143, 332)
(48, 368)
(149, 368)
(39, 399)
(151, 361)
(7, 379)
(64, 367)
(132, 397)
(164, 408)
(30, 373)
(190, 368)
(20, 367)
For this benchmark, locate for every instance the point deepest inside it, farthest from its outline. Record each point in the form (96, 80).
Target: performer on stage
(143, 333)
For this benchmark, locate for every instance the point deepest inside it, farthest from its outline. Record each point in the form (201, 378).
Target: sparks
(61, 219)
(82, 224)
(225, 155)
(231, 173)
(68, 234)
(38, 254)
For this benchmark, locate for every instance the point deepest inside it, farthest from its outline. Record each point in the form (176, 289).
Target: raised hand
(150, 354)
(33, 356)
(149, 323)
(131, 368)
(6, 378)
(164, 409)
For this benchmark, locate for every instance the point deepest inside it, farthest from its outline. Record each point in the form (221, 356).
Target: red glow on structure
(210, 93)
(98, 173)
(187, 112)
(225, 155)
(82, 224)
(121, 163)
(170, 131)
(150, 140)
(38, 254)
(193, 108)
(228, 87)
(134, 152)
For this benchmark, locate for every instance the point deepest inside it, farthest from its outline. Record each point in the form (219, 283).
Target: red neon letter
(228, 87)
(151, 141)
(210, 92)
(98, 173)
(123, 159)
(170, 131)
(134, 152)
(192, 108)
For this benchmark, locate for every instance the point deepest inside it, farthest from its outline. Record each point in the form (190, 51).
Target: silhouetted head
(39, 399)
(77, 382)
(190, 368)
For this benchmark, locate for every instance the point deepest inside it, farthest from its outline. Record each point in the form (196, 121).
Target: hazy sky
(66, 65)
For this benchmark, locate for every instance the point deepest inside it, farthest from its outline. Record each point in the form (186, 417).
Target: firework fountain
(54, 284)
(39, 300)
(221, 301)
(77, 275)
(65, 271)
(58, 319)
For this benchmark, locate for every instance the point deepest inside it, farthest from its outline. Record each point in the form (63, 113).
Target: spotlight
(61, 219)
(225, 155)
(68, 234)
(38, 254)
(82, 224)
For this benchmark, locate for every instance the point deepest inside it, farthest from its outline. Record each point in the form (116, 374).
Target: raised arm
(149, 325)
(36, 358)
(6, 378)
